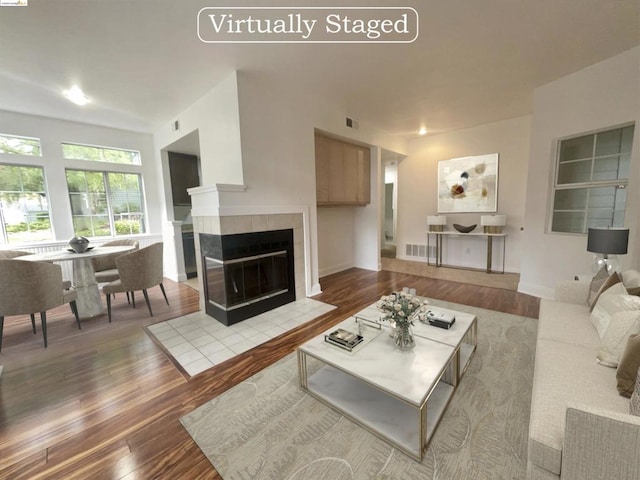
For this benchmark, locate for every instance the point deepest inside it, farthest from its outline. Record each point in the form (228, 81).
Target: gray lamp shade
(610, 241)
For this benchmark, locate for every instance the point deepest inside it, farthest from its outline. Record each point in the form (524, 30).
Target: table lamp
(493, 223)
(436, 223)
(606, 243)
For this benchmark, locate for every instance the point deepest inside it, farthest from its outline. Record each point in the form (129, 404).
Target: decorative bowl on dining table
(79, 244)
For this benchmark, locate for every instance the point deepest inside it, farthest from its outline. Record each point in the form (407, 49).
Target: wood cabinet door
(337, 185)
(364, 176)
(322, 169)
(342, 172)
(351, 153)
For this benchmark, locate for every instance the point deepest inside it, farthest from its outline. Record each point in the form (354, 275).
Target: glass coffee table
(397, 395)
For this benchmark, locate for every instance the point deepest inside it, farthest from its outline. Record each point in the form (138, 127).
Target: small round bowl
(463, 229)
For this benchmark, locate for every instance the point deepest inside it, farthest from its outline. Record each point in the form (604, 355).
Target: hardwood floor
(506, 280)
(105, 402)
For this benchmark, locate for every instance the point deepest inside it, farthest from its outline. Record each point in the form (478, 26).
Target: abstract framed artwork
(468, 184)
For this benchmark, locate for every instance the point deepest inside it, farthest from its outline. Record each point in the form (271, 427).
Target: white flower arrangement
(402, 308)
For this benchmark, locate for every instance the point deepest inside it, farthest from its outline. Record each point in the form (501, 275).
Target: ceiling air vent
(351, 123)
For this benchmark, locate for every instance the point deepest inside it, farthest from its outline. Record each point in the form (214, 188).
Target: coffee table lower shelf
(383, 414)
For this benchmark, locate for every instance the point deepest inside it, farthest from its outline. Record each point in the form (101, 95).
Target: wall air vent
(420, 251)
(351, 123)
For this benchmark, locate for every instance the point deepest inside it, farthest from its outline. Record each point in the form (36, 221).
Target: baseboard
(315, 290)
(323, 272)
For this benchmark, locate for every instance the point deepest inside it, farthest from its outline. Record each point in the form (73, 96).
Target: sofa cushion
(596, 282)
(622, 325)
(578, 380)
(614, 279)
(609, 303)
(634, 405)
(567, 322)
(574, 291)
(631, 278)
(628, 366)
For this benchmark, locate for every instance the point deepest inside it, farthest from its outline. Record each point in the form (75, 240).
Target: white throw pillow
(631, 278)
(611, 301)
(596, 283)
(621, 326)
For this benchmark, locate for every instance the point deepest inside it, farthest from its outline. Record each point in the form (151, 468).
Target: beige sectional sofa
(580, 427)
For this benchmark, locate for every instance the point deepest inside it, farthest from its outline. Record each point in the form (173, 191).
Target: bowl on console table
(463, 229)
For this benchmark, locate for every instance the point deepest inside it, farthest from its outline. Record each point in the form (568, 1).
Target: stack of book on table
(343, 338)
(440, 319)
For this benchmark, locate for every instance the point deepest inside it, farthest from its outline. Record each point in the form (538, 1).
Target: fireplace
(247, 274)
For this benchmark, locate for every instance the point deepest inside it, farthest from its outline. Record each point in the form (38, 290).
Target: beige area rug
(267, 428)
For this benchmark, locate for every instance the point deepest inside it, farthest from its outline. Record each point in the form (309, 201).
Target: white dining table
(84, 278)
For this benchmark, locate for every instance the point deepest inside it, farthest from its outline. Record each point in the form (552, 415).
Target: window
(105, 203)
(24, 209)
(100, 154)
(592, 174)
(20, 145)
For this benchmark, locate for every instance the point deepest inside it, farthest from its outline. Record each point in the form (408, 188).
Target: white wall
(216, 118)
(336, 242)
(603, 95)
(417, 189)
(277, 123)
(271, 128)
(52, 132)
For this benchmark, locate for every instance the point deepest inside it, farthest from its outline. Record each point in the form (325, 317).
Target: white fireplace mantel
(208, 200)
(230, 200)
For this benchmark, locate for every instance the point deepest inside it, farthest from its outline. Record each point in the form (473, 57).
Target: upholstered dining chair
(5, 254)
(105, 266)
(27, 287)
(138, 270)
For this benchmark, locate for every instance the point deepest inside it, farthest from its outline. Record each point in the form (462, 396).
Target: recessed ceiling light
(76, 95)
(422, 131)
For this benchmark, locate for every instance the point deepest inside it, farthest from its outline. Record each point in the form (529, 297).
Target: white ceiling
(475, 61)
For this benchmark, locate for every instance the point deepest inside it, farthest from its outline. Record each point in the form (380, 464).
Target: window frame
(108, 195)
(24, 137)
(101, 147)
(618, 183)
(4, 240)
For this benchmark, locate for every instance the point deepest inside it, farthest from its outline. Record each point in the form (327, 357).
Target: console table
(489, 237)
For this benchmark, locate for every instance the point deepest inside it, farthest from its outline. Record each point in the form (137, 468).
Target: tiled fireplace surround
(232, 224)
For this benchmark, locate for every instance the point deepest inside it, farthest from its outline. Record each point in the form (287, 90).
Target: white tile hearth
(198, 342)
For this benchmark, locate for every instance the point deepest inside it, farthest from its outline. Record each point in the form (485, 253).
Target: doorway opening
(183, 161)
(388, 241)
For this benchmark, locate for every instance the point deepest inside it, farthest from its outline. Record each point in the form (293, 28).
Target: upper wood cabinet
(342, 172)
